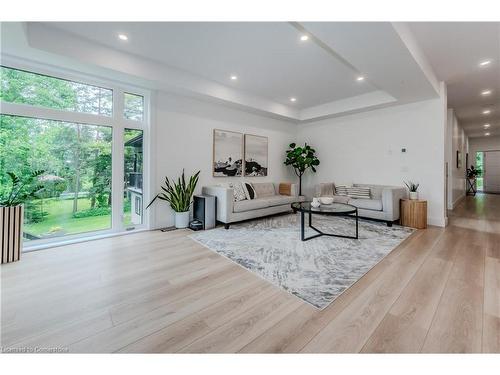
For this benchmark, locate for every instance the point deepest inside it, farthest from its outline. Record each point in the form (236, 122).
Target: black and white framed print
(227, 153)
(256, 148)
(459, 159)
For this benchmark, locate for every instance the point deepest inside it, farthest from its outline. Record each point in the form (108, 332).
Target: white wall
(366, 148)
(183, 139)
(457, 141)
(482, 144)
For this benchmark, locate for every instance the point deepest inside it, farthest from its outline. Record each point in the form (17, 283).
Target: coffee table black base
(320, 233)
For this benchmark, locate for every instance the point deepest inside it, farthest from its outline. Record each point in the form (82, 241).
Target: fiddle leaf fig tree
(301, 159)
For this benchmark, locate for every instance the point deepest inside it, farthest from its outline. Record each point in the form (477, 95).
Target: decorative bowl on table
(326, 200)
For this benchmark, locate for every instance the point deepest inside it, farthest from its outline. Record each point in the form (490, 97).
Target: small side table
(471, 186)
(413, 213)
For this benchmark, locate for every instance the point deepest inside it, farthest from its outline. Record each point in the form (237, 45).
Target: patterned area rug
(318, 270)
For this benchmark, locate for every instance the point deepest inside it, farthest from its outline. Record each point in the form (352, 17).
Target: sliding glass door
(89, 141)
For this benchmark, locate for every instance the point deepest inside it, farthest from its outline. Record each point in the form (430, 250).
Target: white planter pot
(182, 219)
(414, 195)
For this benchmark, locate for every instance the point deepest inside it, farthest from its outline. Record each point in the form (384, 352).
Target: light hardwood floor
(439, 291)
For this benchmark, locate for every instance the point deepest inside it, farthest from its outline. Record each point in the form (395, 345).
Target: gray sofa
(382, 205)
(268, 203)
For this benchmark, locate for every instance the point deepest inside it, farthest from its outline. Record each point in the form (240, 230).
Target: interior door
(491, 172)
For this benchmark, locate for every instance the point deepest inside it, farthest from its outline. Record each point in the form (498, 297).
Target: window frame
(117, 122)
(143, 106)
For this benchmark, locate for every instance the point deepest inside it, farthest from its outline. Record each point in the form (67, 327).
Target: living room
(250, 187)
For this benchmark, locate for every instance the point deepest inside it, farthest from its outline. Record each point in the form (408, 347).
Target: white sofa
(383, 203)
(272, 203)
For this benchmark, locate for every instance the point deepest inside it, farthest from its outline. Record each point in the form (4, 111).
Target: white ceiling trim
(342, 107)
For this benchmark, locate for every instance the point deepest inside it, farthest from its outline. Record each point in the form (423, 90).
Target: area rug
(318, 270)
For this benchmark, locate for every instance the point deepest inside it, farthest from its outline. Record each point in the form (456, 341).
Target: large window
(70, 130)
(76, 159)
(19, 86)
(134, 107)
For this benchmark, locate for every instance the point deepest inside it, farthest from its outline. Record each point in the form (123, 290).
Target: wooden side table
(413, 213)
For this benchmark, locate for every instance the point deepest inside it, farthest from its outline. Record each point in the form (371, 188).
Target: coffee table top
(325, 209)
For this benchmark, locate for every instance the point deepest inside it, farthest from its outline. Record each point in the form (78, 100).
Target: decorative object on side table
(326, 200)
(11, 213)
(414, 213)
(413, 189)
(315, 203)
(301, 159)
(179, 196)
(472, 174)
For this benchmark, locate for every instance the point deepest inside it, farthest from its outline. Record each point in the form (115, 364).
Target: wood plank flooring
(155, 292)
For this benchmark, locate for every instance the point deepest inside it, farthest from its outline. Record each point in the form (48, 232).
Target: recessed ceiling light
(360, 78)
(122, 37)
(486, 92)
(486, 112)
(486, 126)
(304, 38)
(234, 78)
(293, 99)
(486, 134)
(485, 63)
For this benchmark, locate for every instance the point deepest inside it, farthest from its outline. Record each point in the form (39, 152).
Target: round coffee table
(334, 209)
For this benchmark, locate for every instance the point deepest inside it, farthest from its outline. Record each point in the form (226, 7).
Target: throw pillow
(238, 192)
(264, 189)
(249, 190)
(285, 188)
(327, 189)
(358, 192)
(341, 189)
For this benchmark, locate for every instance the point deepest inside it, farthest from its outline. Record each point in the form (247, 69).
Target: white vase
(182, 219)
(315, 203)
(414, 195)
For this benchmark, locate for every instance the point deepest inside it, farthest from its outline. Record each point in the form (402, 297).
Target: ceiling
(268, 58)
(271, 62)
(455, 50)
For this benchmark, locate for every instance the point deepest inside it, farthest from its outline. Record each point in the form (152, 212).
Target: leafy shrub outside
(98, 211)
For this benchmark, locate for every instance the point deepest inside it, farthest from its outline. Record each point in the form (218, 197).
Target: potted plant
(11, 213)
(413, 188)
(301, 159)
(179, 196)
(473, 173)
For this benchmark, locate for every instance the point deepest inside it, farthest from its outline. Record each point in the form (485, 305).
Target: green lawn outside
(60, 219)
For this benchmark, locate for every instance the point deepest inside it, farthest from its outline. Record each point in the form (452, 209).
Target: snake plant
(412, 186)
(178, 194)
